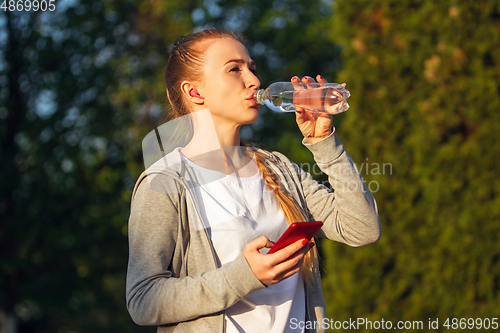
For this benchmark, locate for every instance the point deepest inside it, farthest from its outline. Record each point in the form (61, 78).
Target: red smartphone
(295, 232)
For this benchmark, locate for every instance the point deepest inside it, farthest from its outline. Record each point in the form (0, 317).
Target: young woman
(202, 219)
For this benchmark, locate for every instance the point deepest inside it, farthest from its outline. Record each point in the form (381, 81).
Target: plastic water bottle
(283, 97)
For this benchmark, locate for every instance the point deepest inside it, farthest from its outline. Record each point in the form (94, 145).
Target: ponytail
(292, 213)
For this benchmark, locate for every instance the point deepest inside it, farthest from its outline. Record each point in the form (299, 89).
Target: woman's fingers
(287, 252)
(312, 124)
(294, 259)
(321, 80)
(324, 124)
(303, 118)
(309, 82)
(290, 273)
(297, 85)
(258, 243)
(272, 268)
(292, 264)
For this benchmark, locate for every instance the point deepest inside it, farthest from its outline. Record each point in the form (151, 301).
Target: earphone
(194, 93)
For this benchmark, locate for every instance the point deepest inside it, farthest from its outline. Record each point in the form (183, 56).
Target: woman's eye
(235, 69)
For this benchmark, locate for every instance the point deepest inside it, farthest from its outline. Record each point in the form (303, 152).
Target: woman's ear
(191, 93)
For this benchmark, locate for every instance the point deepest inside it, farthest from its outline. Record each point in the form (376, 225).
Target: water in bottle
(322, 98)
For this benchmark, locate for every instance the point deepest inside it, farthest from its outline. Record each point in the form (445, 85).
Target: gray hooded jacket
(174, 279)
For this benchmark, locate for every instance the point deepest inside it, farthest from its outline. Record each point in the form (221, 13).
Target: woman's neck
(217, 146)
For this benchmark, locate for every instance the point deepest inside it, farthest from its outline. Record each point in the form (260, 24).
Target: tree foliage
(424, 77)
(66, 188)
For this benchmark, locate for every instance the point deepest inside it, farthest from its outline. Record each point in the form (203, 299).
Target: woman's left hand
(314, 126)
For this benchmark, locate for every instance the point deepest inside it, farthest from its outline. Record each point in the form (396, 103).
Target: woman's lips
(253, 101)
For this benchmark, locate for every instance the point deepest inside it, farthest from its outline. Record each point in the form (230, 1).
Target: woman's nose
(253, 81)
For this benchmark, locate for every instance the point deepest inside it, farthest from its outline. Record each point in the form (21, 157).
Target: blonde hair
(291, 211)
(186, 63)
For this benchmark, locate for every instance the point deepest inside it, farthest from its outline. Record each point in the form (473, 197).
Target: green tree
(424, 77)
(65, 187)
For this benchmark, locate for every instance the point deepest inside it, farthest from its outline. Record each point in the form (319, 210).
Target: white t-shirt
(236, 210)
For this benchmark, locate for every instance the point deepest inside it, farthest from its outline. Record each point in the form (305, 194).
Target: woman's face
(229, 82)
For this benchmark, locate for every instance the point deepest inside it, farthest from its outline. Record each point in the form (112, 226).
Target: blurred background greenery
(80, 87)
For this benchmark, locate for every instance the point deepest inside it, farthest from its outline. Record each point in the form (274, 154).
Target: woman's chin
(242, 117)
(252, 116)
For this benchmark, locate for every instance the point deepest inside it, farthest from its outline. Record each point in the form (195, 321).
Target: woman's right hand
(273, 268)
